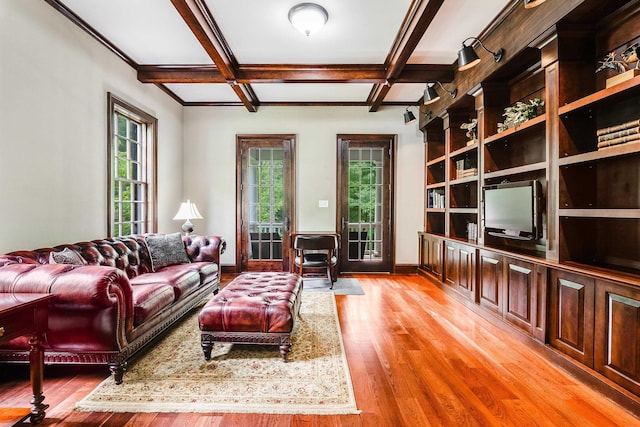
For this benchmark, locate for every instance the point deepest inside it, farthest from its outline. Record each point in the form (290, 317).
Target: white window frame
(142, 205)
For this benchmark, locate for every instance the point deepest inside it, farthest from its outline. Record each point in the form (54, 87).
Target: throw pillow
(65, 256)
(166, 250)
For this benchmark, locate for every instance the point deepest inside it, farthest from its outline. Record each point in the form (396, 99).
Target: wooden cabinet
(571, 315)
(460, 268)
(431, 254)
(525, 294)
(617, 334)
(515, 290)
(490, 281)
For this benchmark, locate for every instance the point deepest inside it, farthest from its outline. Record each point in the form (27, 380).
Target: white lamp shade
(188, 211)
(308, 17)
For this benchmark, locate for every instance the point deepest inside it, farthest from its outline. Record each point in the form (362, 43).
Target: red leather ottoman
(254, 308)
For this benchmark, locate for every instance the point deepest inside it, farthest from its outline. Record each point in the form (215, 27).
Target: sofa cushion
(208, 271)
(180, 277)
(166, 250)
(66, 256)
(149, 299)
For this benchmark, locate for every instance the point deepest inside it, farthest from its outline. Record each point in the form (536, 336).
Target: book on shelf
(620, 140)
(619, 134)
(435, 200)
(618, 128)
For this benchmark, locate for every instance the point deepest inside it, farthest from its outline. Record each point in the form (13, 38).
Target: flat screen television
(513, 210)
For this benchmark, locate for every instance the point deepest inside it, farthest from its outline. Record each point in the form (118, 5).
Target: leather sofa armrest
(75, 287)
(205, 248)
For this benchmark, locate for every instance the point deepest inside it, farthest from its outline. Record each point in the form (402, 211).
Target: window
(131, 168)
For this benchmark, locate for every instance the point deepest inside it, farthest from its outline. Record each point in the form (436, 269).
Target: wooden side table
(26, 315)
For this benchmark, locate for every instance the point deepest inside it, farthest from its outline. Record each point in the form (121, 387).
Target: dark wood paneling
(467, 271)
(519, 290)
(617, 340)
(490, 281)
(572, 315)
(450, 263)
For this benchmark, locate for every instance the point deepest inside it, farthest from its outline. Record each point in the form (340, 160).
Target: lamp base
(187, 227)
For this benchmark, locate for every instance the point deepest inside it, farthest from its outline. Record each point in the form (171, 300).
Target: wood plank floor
(418, 357)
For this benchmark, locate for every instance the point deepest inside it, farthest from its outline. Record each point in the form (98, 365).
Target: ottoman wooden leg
(207, 346)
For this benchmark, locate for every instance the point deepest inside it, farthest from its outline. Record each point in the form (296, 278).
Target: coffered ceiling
(245, 52)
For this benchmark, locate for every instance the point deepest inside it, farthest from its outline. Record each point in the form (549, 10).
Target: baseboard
(406, 269)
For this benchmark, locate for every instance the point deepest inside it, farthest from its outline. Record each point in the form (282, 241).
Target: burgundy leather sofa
(114, 303)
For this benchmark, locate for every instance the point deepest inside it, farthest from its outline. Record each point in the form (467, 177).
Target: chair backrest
(315, 242)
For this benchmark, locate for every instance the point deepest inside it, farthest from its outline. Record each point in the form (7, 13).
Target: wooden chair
(316, 252)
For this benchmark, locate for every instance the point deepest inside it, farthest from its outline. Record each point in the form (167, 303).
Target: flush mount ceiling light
(467, 57)
(528, 4)
(431, 96)
(308, 17)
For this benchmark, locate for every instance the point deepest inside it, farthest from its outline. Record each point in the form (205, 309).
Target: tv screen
(511, 209)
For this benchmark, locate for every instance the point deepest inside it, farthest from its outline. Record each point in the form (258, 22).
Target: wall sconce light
(409, 117)
(529, 4)
(431, 96)
(187, 211)
(467, 57)
(308, 17)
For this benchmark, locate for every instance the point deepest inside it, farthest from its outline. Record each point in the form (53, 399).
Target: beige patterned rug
(174, 377)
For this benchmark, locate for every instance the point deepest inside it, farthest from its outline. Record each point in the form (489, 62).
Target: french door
(265, 200)
(365, 202)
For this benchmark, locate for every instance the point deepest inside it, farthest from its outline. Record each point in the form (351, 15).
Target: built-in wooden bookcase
(599, 189)
(517, 153)
(577, 289)
(435, 185)
(462, 155)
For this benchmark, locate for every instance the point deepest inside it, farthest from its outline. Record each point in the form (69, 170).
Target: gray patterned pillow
(65, 256)
(165, 250)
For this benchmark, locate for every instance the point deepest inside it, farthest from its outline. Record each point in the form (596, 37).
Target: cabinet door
(466, 271)
(520, 286)
(571, 315)
(617, 335)
(436, 257)
(490, 281)
(450, 263)
(423, 255)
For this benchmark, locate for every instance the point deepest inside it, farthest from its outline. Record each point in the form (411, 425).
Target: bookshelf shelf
(540, 166)
(600, 213)
(536, 121)
(436, 161)
(464, 150)
(605, 96)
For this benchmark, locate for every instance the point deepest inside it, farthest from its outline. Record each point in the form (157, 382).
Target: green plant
(520, 113)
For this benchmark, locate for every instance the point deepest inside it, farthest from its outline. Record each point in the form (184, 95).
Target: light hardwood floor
(418, 357)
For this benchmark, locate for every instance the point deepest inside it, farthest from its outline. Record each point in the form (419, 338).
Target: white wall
(54, 80)
(210, 176)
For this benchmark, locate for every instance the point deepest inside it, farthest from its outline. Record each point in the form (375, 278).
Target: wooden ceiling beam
(411, 32)
(201, 23)
(286, 73)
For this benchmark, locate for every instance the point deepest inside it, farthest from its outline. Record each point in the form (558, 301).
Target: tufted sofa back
(129, 253)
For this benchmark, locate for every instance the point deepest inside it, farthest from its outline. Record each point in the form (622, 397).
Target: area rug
(343, 286)
(174, 376)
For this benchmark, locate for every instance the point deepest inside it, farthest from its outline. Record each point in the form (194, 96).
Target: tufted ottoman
(254, 308)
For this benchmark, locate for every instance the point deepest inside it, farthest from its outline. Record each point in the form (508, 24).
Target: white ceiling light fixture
(308, 17)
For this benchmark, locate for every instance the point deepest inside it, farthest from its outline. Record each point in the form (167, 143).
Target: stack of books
(463, 173)
(465, 168)
(619, 134)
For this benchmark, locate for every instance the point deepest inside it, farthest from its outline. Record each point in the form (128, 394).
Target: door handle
(344, 223)
(286, 224)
